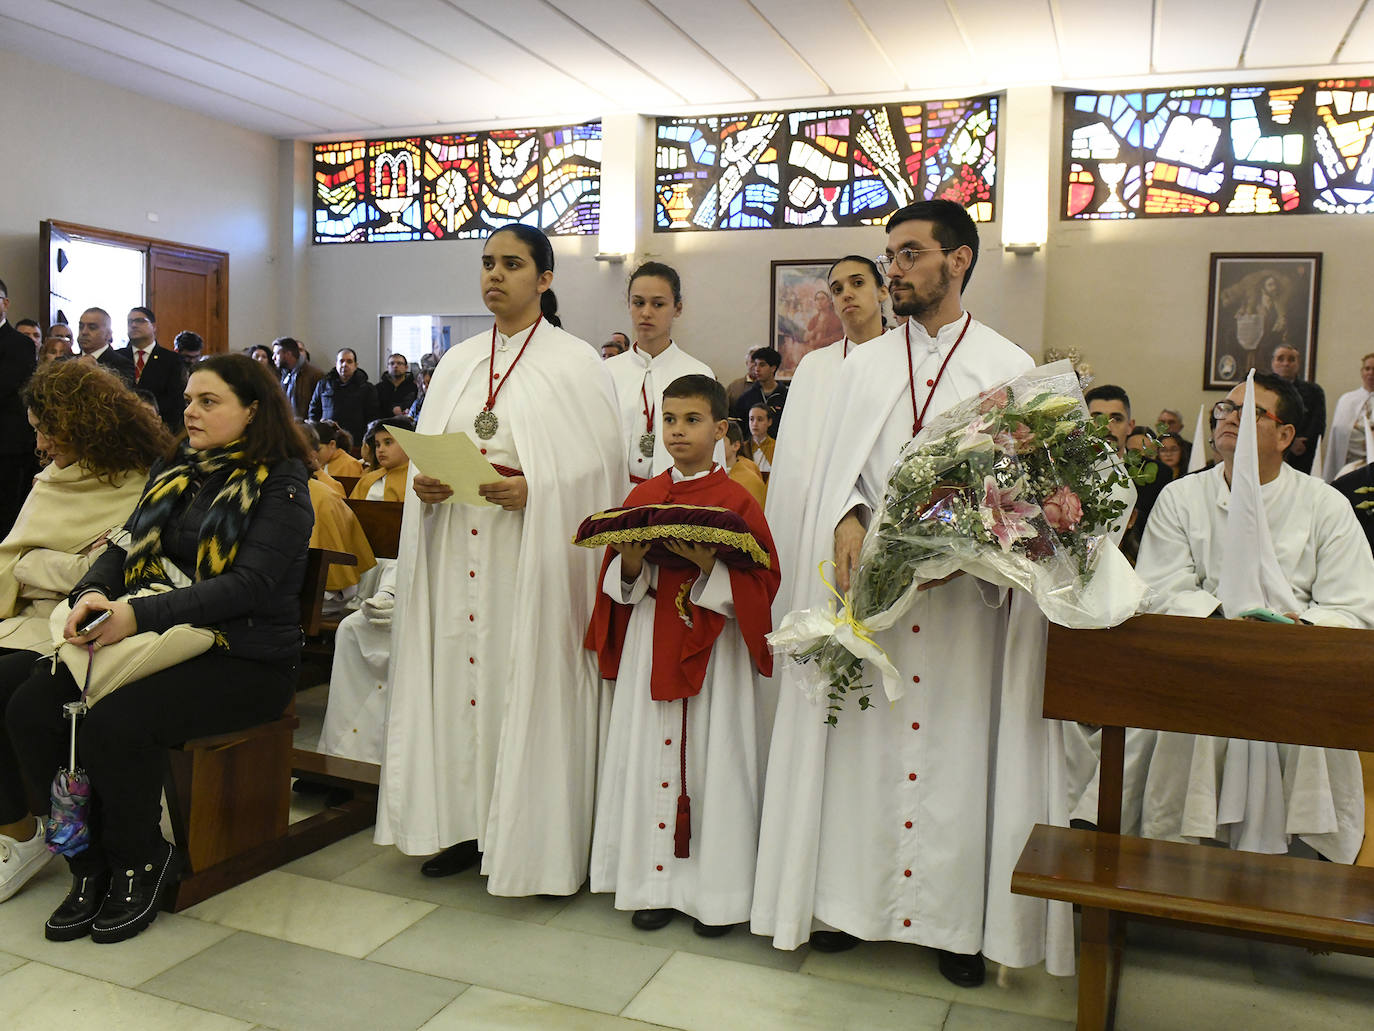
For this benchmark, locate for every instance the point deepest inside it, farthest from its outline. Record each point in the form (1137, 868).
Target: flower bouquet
(1019, 487)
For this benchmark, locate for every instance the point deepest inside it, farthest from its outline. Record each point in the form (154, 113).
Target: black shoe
(1083, 825)
(832, 941)
(652, 919)
(135, 896)
(961, 970)
(452, 860)
(73, 919)
(712, 930)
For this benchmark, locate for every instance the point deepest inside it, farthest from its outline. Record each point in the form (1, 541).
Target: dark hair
(404, 422)
(398, 354)
(704, 387)
(768, 356)
(187, 342)
(28, 322)
(259, 347)
(866, 262)
(272, 435)
(766, 409)
(1291, 410)
(951, 225)
(1108, 392)
(542, 253)
(288, 344)
(661, 271)
(326, 429)
(310, 433)
(343, 440)
(91, 412)
(148, 397)
(350, 351)
(733, 431)
(147, 313)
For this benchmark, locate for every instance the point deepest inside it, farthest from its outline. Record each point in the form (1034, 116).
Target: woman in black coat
(226, 521)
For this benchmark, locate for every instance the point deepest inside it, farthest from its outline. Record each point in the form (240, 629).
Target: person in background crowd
(397, 390)
(1172, 421)
(55, 347)
(190, 347)
(333, 451)
(425, 376)
(345, 395)
(766, 389)
(387, 480)
(298, 377)
(95, 338)
(61, 331)
(156, 368)
(737, 387)
(742, 470)
(32, 330)
(611, 348)
(1287, 364)
(1345, 442)
(17, 466)
(1171, 454)
(262, 353)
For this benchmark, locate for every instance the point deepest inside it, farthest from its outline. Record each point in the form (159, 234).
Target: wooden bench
(381, 523)
(1225, 678)
(229, 795)
(348, 483)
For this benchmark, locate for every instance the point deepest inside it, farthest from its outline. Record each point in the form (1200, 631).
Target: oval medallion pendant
(485, 424)
(646, 444)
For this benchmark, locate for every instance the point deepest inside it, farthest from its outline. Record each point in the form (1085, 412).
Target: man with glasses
(17, 465)
(902, 823)
(1325, 561)
(157, 369)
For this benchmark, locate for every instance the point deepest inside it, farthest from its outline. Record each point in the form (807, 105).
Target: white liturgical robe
(492, 722)
(355, 717)
(1192, 790)
(903, 823)
(1338, 440)
(639, 384)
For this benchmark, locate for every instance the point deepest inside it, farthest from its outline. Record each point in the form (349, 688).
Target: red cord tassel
(682, 830)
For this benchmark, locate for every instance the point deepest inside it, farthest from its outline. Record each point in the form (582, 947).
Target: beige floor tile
(976, 1018)
(516, 956)
(910, 968)
(8, 962)
(333, 861)
(482, 1009)
(700, 993)
(596, 914)
(395, 873)
(294, 988)
(320, 914)
(166, 943)
(51, 998)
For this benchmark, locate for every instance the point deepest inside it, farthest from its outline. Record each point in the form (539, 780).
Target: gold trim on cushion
(681, 531)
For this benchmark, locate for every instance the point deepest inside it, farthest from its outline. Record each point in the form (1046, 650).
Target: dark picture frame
(1255, 304)
(799, 320)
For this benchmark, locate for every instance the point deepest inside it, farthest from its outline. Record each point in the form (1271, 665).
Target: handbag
(135, 657)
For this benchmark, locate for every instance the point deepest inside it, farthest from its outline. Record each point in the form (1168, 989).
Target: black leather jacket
(255, 603)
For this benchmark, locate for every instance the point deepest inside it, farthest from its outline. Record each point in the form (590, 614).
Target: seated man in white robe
(1310, 561)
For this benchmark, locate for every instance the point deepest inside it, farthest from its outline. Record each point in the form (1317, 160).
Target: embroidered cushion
(721, 528)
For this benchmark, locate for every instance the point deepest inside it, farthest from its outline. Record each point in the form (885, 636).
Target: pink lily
(1005, 515)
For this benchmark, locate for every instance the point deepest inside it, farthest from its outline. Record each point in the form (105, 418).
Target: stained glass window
(1260, 149)
(459, 185)
(823, 166)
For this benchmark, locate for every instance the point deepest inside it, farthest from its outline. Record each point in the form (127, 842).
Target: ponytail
(548, 305)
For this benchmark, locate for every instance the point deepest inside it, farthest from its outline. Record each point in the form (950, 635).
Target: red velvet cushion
(724, 530)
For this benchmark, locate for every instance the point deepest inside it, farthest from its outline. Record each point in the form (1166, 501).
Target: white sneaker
(20, 860)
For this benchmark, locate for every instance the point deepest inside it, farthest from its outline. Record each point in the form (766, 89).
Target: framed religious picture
(802, 315)
(1257, 303)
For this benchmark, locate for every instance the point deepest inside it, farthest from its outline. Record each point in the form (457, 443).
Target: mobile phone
(1265, 616)
(95, 621)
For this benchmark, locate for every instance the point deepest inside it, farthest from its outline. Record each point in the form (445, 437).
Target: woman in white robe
(492, 720)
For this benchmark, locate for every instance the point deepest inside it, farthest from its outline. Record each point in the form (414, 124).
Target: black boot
(134, 897)
(73, 919)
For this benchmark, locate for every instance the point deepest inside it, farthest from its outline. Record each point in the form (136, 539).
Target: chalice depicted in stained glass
(395, 185)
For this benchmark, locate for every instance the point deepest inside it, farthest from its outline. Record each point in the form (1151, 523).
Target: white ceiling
(320, 68)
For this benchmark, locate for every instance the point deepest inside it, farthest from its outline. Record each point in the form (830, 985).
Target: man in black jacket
(346, 396)
(93, 336)
(17, 465)
(157, 369)
(397, 390)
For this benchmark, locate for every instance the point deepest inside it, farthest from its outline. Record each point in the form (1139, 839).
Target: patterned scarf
(224, 523)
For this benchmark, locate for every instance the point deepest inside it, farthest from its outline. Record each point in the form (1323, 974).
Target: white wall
(86, 152)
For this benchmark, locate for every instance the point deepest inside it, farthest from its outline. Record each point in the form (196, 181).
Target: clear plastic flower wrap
(1019, 487)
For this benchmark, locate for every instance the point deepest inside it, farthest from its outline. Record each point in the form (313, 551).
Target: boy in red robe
(678, 803)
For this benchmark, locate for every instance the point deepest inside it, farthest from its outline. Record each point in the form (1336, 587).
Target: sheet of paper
(450, 458)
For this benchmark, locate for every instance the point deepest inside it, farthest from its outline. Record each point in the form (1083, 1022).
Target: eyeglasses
(906, 257)
(1222, 409)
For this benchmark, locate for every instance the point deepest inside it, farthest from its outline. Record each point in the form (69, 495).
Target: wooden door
(189, 289)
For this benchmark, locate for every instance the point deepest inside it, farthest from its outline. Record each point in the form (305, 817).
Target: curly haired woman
(99, 442)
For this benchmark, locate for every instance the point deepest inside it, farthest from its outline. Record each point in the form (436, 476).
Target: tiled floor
(354, 938)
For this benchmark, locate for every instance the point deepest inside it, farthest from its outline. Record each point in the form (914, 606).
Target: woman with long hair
(654, 360)
(222, 528)
(492, 726)
(99, 441)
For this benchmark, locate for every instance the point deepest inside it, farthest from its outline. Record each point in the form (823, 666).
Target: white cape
(903, 824)
(493, 714)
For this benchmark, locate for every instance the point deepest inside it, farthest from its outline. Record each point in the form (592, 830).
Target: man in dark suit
(17, 464)
(94, 337)
(298, 377)
(157, 369)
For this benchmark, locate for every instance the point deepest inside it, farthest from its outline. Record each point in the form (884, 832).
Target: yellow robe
(337, 529)
(746, 474)
(343, 464)
(395, 483)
